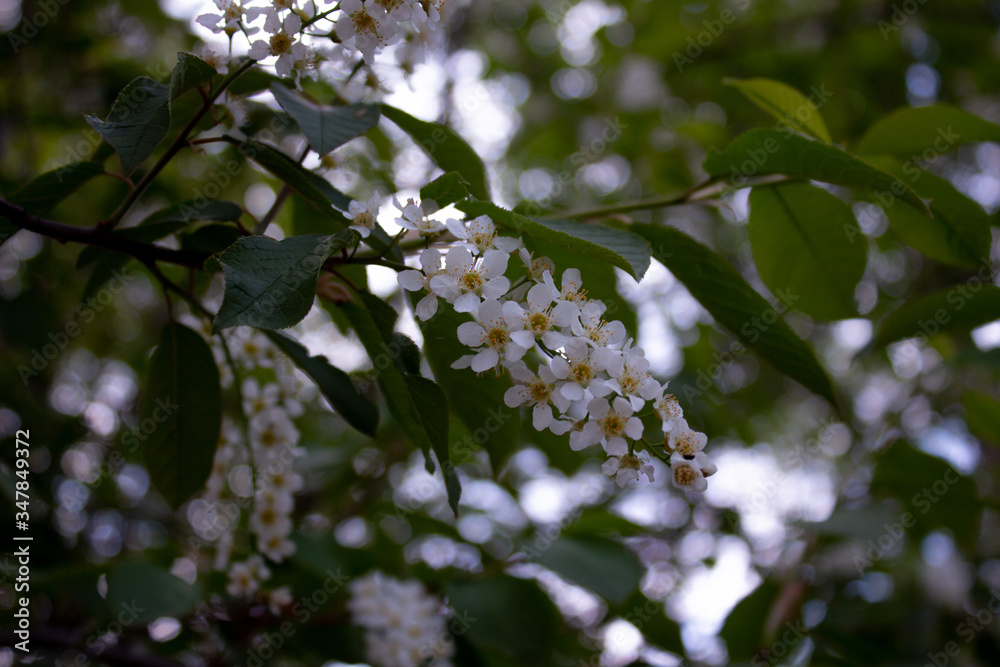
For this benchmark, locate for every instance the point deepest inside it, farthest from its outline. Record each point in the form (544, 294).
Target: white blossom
(626, 468)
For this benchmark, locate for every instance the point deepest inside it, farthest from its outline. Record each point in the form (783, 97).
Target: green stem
(678, 198)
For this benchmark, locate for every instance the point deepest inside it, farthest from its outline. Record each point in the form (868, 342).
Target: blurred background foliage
(792, 557)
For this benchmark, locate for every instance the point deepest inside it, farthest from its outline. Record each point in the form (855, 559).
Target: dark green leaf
(743, 630)
(197, 209)
(959, 232)
(141, 592)
(409, 354)
(446, 189)
(931, 490)
(619, 248)
(760, 152)
(604, 566)
(784, 103)
(138, 121)
(513, 617)
(959, 308)
(107, 266)
(982, 414)
(476, 401)
(271, 284)
(448, 150)
(189, 72)
(806, 242)
(650, 617)
(432, 407)
(335, 384)
(937, 129)
(210, 239)
(314, 188)
(735, 305)
(373, 319)
(183, 401)
(42, 193)
(326, 127)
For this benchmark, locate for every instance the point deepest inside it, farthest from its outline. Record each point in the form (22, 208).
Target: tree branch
(100, 237)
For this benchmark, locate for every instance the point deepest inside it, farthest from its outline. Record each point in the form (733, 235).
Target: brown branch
(97, 236)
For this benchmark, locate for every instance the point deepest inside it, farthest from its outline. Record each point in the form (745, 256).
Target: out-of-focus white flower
(364, 215)
(414, 218)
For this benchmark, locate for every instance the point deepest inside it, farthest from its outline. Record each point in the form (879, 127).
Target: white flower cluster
(245, 581)
(405, 625)
(591, 382)
(364, 26)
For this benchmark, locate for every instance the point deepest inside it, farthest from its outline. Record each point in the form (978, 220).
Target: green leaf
(446, 189)
(619, 248)
(931, 490)
(335, 385)
(42, 193)
(982, 414)
(937, 129)
(650, 617)
(784, 103)
(761, 152)
(443, 145)
(959, 308)
(326, 127)
(476, 401)
(271, 284)
(141, 592)
(210, 239)
(513, 617)
(743, 630)
(314, 188)
(107, 266)
(432, 407)
(189, 72)
(806, 242)
(603, 566)
(138, 121)
(196, 209)
(735, 305)
(421, 411)
(959, 232)
(183, 401)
